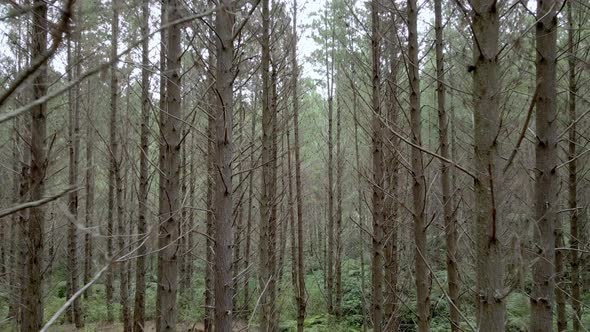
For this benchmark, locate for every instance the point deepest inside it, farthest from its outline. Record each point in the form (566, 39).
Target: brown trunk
(543, 291)
(23, 216)
(446, 183)
(378, 194)
(190, 223)
(74, 161)
(391, 205)
(490, 264)
(161, 119)
(576, 288)
(423, 283)
(223, 140)
(267, 199)
(121, 236)
(330, 212)
(89, 190)
(35, 227)
(300, 285)
(360, 210)
(14, 282)
(246, 305)
(239, 210)
(113, 167)
(142, 199)
(338, 230)
(170, 127)
(210, 225)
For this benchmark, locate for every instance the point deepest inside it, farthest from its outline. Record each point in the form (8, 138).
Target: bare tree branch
(40, 202)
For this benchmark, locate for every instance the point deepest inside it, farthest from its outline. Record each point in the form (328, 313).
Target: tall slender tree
(377, 155)
(113, 153)
(300, 289)
(223, 140)
(491, 312)
(546, 193)
(74, 161)
(141, 268)
(576, 289)
(423, 279)
(35, 227)
(170, 127)
(267, 200)
(446, 169)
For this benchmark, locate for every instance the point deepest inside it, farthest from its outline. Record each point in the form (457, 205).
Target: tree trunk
(330, 226)
(338, 230)
(170, 179)
(267, 199)
(209, 223)
(490, 264)
(122, 235)
(142, 199)
(35, 227)
(300, 286)
(446, 183)
(391, 200)
(74, 161)
(360, 210)
(223, 140)
(246, 306)
(89, 190)
(378, 194)
(546, 200)
(573, 177)
(423, 282)
(113, 153)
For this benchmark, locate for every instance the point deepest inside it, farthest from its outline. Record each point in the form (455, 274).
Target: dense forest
(275, 165)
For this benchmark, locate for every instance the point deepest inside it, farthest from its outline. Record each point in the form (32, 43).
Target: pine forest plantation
(295, 165)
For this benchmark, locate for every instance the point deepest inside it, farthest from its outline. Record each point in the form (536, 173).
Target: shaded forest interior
(291, 165)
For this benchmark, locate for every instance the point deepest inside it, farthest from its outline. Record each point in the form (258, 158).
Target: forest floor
(150, 327)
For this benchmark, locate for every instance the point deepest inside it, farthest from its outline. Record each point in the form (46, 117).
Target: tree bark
(330, 226)
(113, 153)
(446, 181)
(338, 228)
(423, 282)
(490, 264)
(576, 289)
(170, 179)
(377, 155)
(89, 190)
(35, 227)
(267, 200)
(543, 291)
(300, 286)
(223, 140)
(391, 184)
(142, 199)
(74, 161)
(246, 305)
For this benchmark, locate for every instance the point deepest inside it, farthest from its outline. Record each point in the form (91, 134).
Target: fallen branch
(71, 300)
